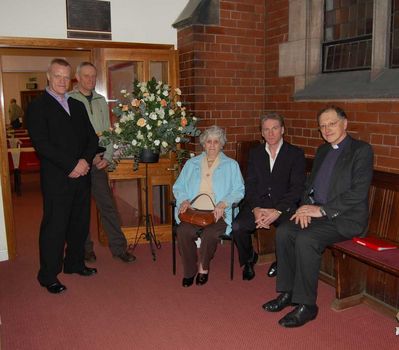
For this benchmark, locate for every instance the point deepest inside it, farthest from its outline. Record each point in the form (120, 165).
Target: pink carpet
(143, 306)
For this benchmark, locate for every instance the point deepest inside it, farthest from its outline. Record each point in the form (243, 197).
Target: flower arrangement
(150, 117)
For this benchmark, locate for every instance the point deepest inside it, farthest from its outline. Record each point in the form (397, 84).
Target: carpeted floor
(143, 306)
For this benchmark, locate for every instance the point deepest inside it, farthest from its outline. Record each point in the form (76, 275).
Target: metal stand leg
(149, 233)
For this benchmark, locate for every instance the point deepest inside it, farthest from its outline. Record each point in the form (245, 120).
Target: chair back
(242, 149)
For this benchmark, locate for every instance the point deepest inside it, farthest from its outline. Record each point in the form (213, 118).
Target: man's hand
(304, 214)
(100, 164)
(264, 217)
(81, 169)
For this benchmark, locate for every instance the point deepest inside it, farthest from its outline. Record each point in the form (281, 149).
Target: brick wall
(222, 70)
(230, 73)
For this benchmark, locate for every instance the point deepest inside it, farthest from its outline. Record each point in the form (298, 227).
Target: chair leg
(232, 257)
(174, 250)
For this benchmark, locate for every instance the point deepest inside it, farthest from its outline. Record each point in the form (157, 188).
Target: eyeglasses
(330, 125)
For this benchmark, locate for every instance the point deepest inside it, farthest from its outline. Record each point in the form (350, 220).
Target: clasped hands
(81, 169)
(304, 214)
(218, 212)
(264, 217)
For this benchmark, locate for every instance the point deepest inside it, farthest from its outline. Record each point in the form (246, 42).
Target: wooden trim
(76, 44)
(5, 179)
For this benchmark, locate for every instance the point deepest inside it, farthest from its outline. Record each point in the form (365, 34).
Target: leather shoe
(299, 316)
(55, 288)
(248, 272)
(126, 257)
(90, 256)
(201, 279)
(187, 282)
(278, 304)
(272, 270)
(86, 271)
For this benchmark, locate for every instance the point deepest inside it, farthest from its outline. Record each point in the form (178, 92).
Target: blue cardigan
(227, 184)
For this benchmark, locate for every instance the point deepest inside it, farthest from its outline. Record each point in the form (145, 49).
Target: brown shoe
(90, 256)
(126, 257)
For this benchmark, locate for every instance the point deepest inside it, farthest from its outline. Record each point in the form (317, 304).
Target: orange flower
(135, 102)
(183, 121)
(141, 122)
(125, 108)
(163, 103)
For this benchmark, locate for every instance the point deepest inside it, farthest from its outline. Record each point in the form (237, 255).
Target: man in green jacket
(97, 109)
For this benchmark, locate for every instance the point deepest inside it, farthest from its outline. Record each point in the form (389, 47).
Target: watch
(323, 212)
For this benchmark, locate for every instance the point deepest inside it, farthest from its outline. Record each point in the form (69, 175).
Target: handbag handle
(203, 194)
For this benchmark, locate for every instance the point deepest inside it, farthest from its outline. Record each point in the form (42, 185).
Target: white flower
(116, 146)
(165, 93)
(153, 116)
(164, 144)
(194, 118)
(180, 128)
(192, 155)
(177, 139)
(148, 126)
(118, 130)
(149, 134)
(171, 112)
(165, 121)
(123, 91)
(134, 142)
(178, 91)
(143, 88)
(178, 103)
(159, 123)
(183, 113)
(157, 142)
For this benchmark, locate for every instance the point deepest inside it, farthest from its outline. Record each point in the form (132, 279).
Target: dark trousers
(243, 228)
(109, 216)
(65, 220)
(299, 254)
(186, 237)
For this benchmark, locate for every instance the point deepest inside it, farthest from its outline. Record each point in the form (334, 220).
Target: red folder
(374, 243)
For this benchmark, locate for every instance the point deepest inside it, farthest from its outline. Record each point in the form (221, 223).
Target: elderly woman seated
(218, 177)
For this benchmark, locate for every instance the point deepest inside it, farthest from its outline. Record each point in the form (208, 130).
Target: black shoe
(281, 302)
(55, 288)
(248, 272)
(201, 279)
(299, 316)
(187, 282)
(90, 256)
(86, 271)
(126, 257)
(272, 270)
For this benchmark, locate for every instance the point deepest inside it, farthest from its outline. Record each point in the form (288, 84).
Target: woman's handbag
(198, 217)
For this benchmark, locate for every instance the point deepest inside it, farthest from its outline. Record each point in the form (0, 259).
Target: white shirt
(271, 160)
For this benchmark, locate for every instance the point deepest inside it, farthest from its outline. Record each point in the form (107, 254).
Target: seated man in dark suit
(335, 208)
(273, 186)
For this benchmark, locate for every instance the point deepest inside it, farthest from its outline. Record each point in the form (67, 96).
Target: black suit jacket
(60, 140)
(347, 199)
(283, 187)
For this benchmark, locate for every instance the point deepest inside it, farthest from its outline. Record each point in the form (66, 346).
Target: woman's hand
(218, 212)
(184, 205)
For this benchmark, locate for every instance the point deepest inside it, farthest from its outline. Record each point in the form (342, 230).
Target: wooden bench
(357, 273)
(365, 275)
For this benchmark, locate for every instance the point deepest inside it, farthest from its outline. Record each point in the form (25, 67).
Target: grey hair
(85, 64)
(215, 132)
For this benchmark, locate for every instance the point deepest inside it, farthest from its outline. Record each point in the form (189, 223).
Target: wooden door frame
(94, 47)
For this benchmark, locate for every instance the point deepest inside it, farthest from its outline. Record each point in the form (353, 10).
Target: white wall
(143, 21)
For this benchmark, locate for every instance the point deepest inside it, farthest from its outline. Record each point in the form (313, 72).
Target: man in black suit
(66, 144)
(274, 183)
(335, 208)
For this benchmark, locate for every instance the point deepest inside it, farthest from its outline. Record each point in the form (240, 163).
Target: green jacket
(99, 115)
